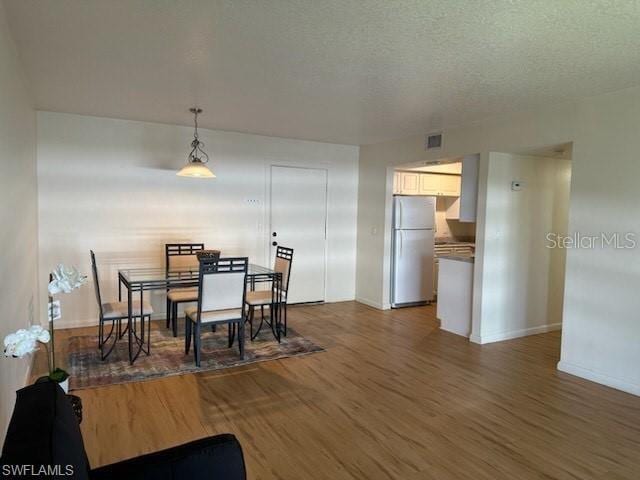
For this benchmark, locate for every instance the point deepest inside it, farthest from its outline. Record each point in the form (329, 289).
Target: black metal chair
(221, 300)
(116, 312)
(262, 298)
(184, 255)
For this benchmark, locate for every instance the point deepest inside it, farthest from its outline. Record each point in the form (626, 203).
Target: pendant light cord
(196, 144)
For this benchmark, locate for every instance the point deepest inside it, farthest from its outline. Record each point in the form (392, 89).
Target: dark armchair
(44, 432)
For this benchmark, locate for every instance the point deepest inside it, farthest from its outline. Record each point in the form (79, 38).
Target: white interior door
(299, 221)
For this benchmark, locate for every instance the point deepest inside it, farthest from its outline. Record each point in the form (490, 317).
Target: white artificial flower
(23, 342)
(10, 339)
(19, 344)
(65, 279)
(40, 334)
(25, 347)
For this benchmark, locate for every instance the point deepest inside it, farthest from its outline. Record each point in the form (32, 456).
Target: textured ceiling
(342, 71)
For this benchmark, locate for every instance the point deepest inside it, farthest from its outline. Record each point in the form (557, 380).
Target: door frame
(268, 219)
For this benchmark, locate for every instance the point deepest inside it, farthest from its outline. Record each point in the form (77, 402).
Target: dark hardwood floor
(392, 397)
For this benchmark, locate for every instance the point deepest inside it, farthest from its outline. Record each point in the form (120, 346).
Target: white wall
(111, 186)
(601, 330)
(522, 279)
(18, 216)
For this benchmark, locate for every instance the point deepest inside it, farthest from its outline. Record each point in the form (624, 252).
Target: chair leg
(149, 335)
(187, 335)
(251, 314)
(285, 318)
(102, 340)
(232, 333)
(241, 338)
(196, 342)
(174, 319)
(169, 302)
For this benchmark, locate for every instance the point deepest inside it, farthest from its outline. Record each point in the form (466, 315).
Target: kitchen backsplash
(452, 229)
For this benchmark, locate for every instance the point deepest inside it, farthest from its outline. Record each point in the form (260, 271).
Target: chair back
(284, 258)
(96, 281)
(222, 283)
(181, 255)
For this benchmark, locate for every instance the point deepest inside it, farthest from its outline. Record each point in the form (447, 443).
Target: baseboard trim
(339, 300)
(524, 332)
(600, 378)
(371, 303)
(62, 324)
(460, 334)
(93, 322)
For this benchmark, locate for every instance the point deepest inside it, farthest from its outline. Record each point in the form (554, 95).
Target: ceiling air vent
(433, 141)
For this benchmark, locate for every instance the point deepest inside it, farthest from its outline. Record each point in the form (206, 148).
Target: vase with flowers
(25, 341)
(62, 280)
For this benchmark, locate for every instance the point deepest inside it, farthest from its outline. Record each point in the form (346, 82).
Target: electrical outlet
(55, 311)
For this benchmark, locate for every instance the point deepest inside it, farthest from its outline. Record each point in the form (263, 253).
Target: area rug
(168, 357)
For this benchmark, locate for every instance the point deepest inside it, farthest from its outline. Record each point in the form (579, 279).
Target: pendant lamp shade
(196, 169)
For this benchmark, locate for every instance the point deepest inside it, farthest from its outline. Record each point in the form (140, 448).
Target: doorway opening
(519, 279)
(433, 216)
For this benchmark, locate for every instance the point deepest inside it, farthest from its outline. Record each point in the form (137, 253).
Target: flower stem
(52, 361)
(48, 359)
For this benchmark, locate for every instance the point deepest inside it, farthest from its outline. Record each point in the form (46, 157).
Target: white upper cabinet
(429, 184)
(469, 189)
(449, 185)
(462, 189)
(409, 183)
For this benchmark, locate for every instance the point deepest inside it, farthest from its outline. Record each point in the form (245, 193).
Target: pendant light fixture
(196, 163)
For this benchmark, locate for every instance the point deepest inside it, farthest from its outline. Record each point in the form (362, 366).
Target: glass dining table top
(178, 275)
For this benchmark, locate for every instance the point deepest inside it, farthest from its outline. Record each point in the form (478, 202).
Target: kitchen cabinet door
(449, 185)
(429, 184)
(409, 183)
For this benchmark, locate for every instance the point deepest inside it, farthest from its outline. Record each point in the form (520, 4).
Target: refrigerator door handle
(400, 213)
(401, 236)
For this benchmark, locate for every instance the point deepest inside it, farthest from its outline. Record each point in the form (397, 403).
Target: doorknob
(275, 244)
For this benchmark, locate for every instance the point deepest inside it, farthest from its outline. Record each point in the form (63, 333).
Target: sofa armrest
(214, 458)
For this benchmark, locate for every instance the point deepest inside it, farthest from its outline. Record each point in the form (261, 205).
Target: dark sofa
(44, 436)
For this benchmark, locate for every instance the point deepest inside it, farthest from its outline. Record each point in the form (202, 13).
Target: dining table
(137, 281)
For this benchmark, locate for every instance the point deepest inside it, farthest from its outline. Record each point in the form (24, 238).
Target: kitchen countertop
(453, 242)
(458, 258)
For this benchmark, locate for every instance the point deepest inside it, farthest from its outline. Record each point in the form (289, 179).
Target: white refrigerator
(412, 249)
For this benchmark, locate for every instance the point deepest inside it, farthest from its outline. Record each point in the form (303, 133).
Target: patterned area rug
(168, 357)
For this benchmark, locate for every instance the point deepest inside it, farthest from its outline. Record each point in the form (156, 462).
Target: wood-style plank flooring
(393, 397)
